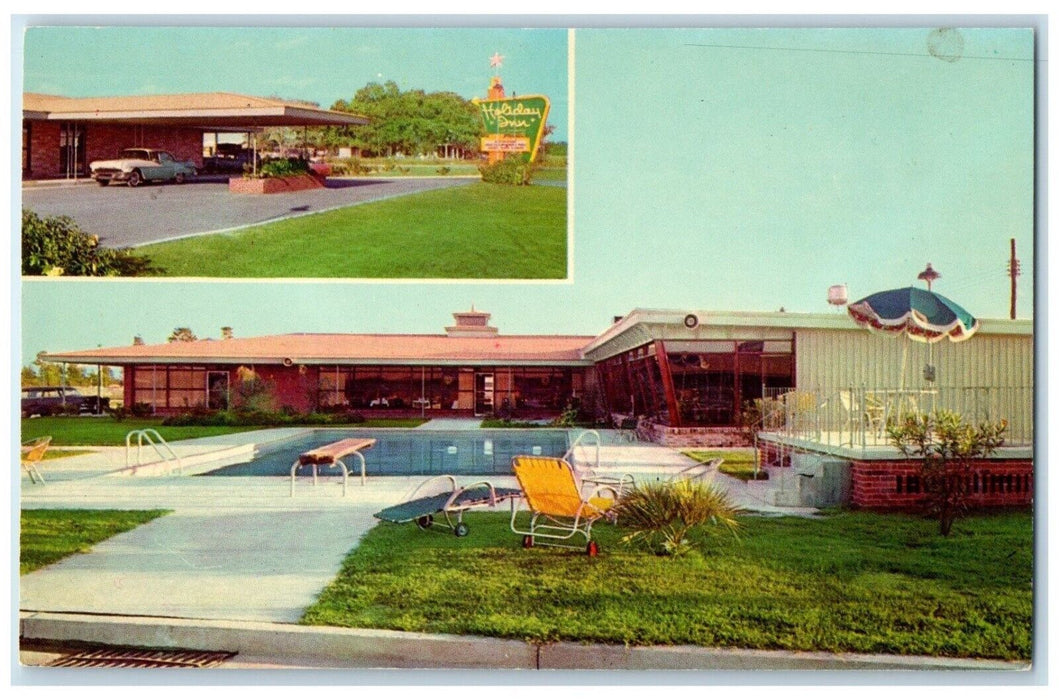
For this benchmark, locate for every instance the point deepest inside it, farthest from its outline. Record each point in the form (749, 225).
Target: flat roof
(347, 349)
(209, 110)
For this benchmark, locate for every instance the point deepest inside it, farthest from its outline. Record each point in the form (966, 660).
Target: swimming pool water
(413, 452)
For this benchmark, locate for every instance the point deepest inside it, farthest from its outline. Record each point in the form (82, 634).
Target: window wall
(707, 382)
(449, 388)
(169, 387)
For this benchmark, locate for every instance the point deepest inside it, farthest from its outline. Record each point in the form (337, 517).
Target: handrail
(157, 442)
(585, 433)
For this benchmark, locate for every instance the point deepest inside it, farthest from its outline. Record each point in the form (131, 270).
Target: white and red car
(137, 165)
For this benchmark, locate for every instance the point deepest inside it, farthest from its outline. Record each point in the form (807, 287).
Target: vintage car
(137, 165)
(55, 400)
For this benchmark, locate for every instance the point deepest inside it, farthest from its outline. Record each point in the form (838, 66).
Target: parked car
(137, 165)
(229, 158)
(52, 400)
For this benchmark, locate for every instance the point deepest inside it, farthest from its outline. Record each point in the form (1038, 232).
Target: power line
(850, 51)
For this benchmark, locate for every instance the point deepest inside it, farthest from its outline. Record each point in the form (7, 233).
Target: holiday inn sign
(514, 124)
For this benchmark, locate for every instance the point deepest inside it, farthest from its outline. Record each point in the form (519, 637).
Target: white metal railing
(153, 440)
(857, 417)
(577, 442)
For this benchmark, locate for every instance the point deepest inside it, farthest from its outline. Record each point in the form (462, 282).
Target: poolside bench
(333, 454)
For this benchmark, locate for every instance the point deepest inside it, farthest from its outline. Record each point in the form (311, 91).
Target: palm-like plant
(662, 514)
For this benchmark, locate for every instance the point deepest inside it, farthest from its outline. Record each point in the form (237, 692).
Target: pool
(413, 452)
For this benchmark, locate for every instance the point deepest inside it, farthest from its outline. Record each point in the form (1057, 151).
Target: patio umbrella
(922, 315)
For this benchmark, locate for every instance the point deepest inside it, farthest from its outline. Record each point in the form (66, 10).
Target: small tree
(252, 393)
(182, 335)
(947, 447)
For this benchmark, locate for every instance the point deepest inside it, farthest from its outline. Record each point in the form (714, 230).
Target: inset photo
(289, 153)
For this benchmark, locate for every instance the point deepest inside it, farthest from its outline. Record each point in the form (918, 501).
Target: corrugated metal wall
(838, 358)
(990, 375)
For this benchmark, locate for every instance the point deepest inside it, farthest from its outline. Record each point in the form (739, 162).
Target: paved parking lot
(128, 217)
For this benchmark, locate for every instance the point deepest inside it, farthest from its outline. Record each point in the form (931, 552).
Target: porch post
(667, 384)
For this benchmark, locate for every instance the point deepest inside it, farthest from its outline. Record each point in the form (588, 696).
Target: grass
(47, 536)
(478, 231)
(848, 582)
(73, 430)
(738, 463)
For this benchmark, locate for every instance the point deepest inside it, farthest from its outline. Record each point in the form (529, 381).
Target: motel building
(823, 387)
(62, 135)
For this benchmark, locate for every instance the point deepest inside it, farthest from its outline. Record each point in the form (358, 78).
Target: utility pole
(1014, 271)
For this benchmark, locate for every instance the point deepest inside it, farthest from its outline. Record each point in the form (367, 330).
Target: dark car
(54, 400)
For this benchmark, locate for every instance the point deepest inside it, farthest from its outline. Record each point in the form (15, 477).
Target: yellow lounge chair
(558, 511)
(32, 453)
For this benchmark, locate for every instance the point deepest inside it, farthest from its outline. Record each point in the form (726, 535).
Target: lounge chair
(32, 453)
(441, 494)
(558, 509)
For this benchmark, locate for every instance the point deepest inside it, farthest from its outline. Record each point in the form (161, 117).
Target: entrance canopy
(211, 111)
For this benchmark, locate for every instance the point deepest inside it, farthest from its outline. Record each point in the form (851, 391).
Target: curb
(384, 649)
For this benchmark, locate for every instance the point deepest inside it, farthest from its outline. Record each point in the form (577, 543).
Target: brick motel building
(686, 378)
(62, 135)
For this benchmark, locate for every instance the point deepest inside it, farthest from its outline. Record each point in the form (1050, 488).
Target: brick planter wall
(274, 185)
(693, 437)
(895, 484)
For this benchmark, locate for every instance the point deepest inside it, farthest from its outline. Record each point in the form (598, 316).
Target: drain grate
(119, 657)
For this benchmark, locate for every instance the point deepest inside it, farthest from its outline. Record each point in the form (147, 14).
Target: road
(129, 217)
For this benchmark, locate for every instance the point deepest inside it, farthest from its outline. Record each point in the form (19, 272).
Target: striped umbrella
(919, 314)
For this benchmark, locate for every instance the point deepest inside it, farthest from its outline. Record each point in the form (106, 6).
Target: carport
(62, 135)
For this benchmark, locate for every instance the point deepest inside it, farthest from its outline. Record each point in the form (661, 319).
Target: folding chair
(32, 453)
(558, 510)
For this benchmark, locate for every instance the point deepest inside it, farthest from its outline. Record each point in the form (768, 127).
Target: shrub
(513, 170)
(141, 410)
(661, 515)
(444, 170)
(284, 167)
(947, 447)
(56, 246)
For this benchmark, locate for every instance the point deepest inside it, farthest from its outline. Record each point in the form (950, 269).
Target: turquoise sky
(721, 169)
(321, 64)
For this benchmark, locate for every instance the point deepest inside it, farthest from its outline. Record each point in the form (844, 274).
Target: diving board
(332, 454)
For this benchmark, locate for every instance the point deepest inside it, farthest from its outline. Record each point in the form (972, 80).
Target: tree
(181, 335)
(947, 447)
(411, 122)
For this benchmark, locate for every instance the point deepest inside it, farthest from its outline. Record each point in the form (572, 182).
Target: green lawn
(737, 463)
(73, 430)
(848, 582)
(473, 231)
(46, 536)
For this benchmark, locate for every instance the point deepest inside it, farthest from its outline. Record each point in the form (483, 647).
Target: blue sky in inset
(320, 65)
(724, 169)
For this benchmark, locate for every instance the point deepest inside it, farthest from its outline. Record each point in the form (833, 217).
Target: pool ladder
(591, 474)
(155, 441)
(570, 453)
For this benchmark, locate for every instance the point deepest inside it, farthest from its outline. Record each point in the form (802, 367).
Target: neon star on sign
(496, 60)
